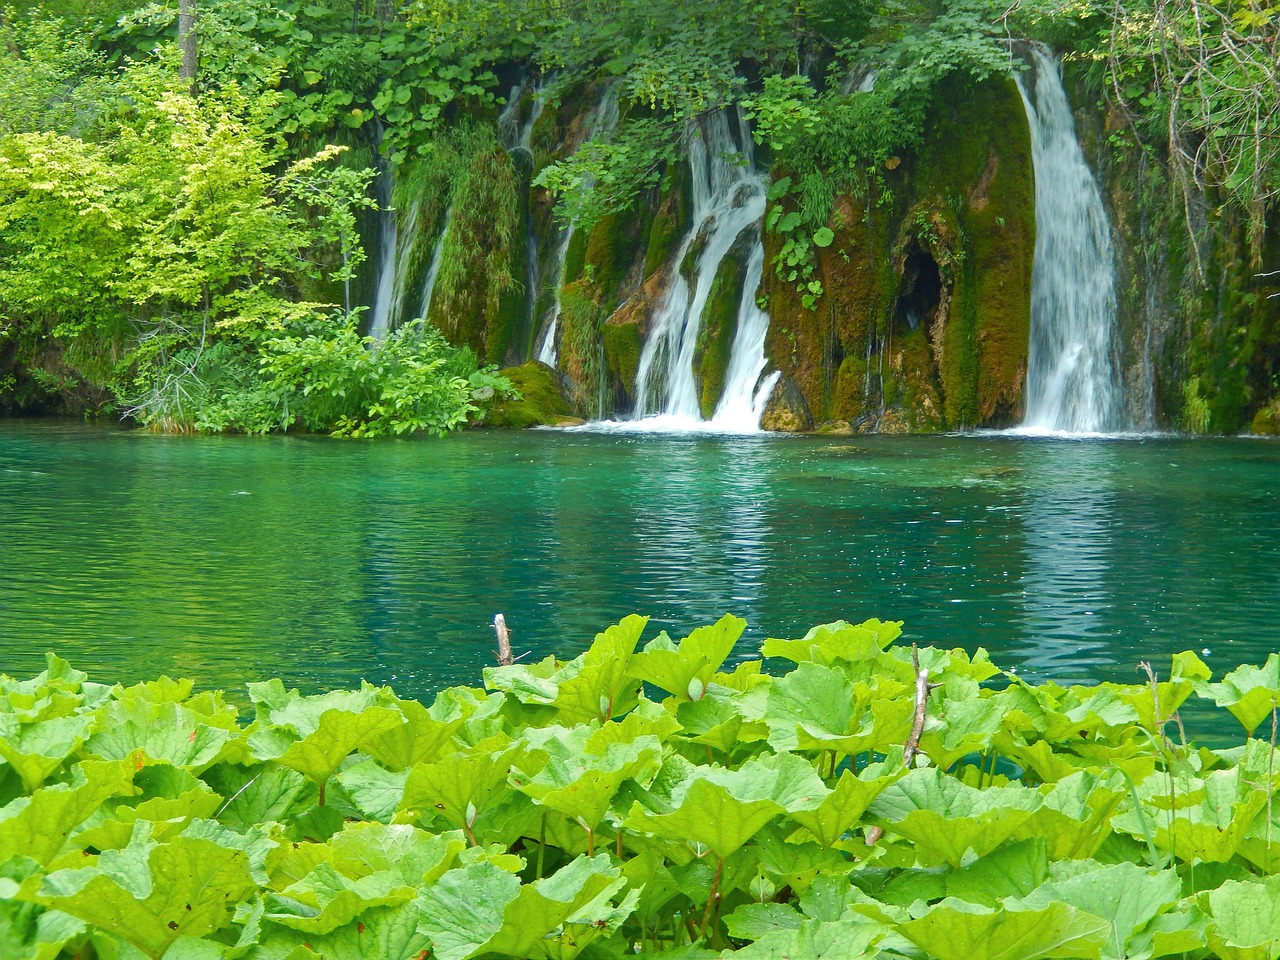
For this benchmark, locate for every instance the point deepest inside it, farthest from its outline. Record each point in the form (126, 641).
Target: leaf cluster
(642, 799)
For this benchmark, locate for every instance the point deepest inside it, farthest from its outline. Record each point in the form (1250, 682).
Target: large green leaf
(559, 916)
(1126, 895)
(1245, 919)
(830, 642)
(947, 818)
(675, 668)
(162, 731)
(1249, 692)
(422, 738)
(817, 940)
(955, 930)
(580, 781)
(1196, 819)
(707, 814)
(185, 887)
(465, 907)
(336, 733)
(1012, 870)
(816, 707)
(844, 806)
(1076, 813)
(35, 750)
(38, 826)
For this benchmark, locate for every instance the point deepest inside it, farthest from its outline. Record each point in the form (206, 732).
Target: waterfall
(602, 123)
(728, 199)
(433, 270)
(380, 316)
(1072, 384)
(395, 253)
(745, 394)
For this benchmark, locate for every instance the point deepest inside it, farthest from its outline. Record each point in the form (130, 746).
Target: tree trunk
(187, 41)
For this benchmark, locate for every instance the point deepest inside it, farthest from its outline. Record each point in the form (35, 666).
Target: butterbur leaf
(161, 731)
(1212, 826)
(837, 641)
(1075, 818)
(708, 814)
(947, 818)
(578, 896)
(846, 804)
(1245, 919)
(257, 794)
(422, 738)
(603, 688)
(696, 659)
(464, 908)
(375, 791)
(337, 733)
(1250, 693)
(1012, 870)
(38, 826)
(459, 786)
(1126, 895)
(35, 750)
(846, 939)
(955, 930)
(192, 885)
(751, 921)
(379, 932)
(326, 899)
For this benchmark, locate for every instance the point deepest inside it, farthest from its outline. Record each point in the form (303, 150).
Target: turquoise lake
(230, 559)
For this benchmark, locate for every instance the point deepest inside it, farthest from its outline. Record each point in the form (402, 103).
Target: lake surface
(231, 559)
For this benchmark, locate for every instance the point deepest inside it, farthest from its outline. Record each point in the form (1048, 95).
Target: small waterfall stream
(602, 123)
(1072, 383)
(388, 236)
(729, 197)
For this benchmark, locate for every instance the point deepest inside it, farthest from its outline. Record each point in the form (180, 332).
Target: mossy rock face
(719, 328)
(1266, 421)
(543, 403)
(609, 254)
(668, 225)
(977, 173)
(581, 355)
(623, 344)
(787, 411)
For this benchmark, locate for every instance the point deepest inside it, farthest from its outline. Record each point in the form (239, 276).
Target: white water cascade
(729, 198)
(1072, 384)
(433, 269)
(602, 123)
(386, 297)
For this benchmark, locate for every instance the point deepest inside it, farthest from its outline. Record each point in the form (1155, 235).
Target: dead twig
(505, 658)
(923, 686)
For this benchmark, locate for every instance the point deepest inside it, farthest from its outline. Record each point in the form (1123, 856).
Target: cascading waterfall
(729, 198)
(603, 122)
(1072, 384)
(388, 235)
(433, 270)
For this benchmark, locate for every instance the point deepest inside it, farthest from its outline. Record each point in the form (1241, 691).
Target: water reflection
(1067, 518)
(235, 559)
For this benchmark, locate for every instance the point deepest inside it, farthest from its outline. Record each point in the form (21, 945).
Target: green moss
(609, 253)
(849, 396)
(542, 403)
(581, 352)
(715, 336)
(977, 170)
(482, 262)
(623, 345)
(575, 257)
(668, 225)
